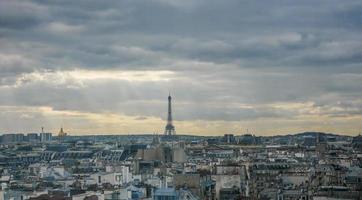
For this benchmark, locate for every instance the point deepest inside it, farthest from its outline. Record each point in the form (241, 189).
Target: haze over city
(107, 67)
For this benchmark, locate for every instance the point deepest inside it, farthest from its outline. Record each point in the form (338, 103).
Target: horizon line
(195, 135)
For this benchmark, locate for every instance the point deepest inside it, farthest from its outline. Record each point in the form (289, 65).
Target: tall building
(19, 137)
(32, 137)
(321, 146)
(229, 138)
(170, 128)
(12, 138)
(45, 137)
(8, 138)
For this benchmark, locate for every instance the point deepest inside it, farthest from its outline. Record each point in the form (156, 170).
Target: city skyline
(106, 68)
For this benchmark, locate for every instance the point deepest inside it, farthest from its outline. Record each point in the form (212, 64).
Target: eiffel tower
(170, 128)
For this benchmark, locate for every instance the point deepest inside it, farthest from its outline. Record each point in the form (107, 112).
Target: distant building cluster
(305, 166)
(30, 137)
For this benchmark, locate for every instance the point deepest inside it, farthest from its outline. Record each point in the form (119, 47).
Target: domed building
(62, 133)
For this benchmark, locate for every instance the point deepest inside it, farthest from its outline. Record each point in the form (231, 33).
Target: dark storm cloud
(85, 34)
(224, 52)
(20, 15)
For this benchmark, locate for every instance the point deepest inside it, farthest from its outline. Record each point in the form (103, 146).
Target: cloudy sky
(105, 67)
